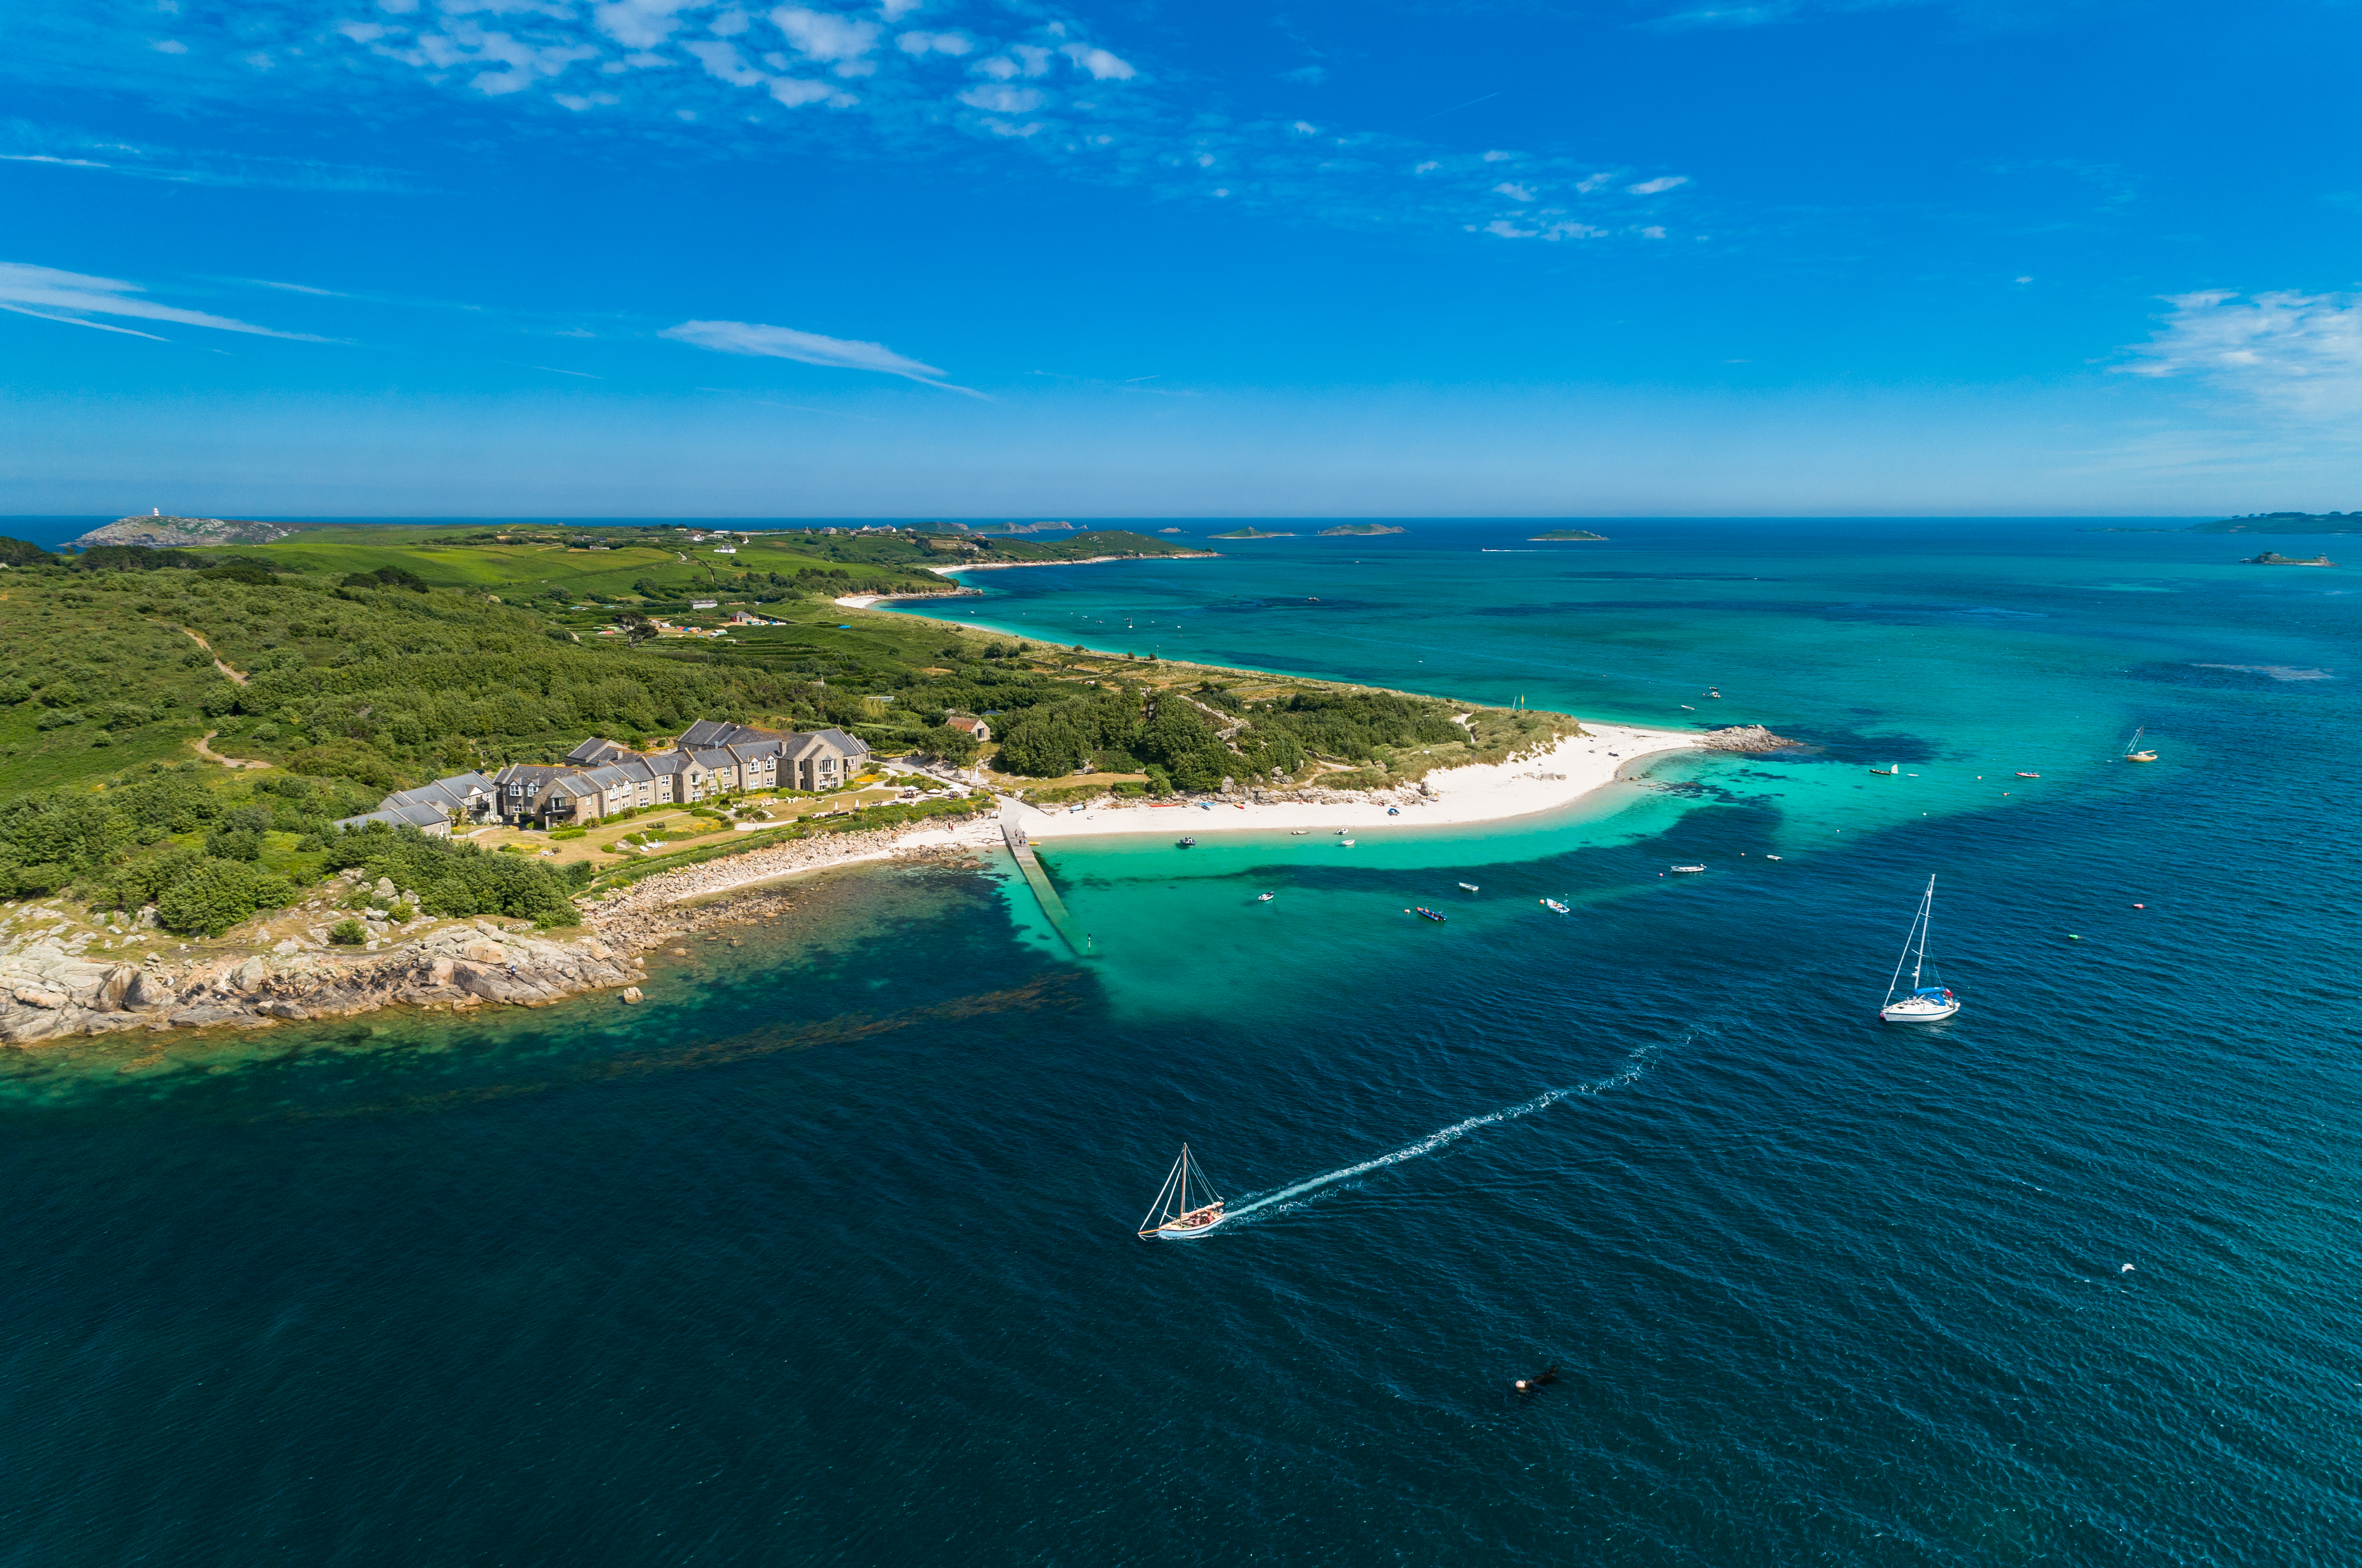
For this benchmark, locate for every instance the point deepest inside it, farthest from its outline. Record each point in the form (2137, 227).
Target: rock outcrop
(169, 532)
(1745, 737)
(47, 993)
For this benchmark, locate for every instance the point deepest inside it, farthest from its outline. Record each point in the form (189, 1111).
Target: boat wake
(1294, 1197)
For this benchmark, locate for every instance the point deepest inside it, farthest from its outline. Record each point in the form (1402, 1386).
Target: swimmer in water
(1548, 1374)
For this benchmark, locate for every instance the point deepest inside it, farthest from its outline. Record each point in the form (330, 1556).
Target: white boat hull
(1177, 1232)
(1917, 1011)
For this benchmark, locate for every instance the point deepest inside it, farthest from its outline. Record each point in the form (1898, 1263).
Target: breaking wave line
(1632, 1067)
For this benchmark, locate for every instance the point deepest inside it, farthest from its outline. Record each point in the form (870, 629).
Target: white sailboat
(1175, 1217)
(1920, 1004)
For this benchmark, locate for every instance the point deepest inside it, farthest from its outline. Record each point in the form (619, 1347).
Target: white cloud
(73, 297)
(169, 46)
(794, 92)
(1103, 66)
(519, 62)
(1661, 183)
(2297, 355)
(823, 35)
(1496, 155)
(895, 10)
(639, 23)
(1591, 183)
(934, 43)
(730, 24)
(1514, 192)
(808, 347)
(724, 59)
(1003, 100)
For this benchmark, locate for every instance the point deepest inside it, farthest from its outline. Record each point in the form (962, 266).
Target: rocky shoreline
(51, 989)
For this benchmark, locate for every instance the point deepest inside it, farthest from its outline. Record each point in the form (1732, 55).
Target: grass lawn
(678, 826)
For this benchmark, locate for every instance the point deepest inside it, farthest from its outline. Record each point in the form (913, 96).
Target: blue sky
(943, 256)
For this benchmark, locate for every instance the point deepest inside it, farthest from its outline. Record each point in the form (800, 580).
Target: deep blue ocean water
(825, 1254)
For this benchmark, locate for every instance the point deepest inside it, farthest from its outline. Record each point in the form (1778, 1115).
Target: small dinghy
(1553, 906)
(1685, 869)
(1184, 843)
(1298, 833)
(1891, 769)
(1174, 1217)
(1263, 898)
(1468, 887)
(2029, 775)
(1770, 858)
(1425, 913)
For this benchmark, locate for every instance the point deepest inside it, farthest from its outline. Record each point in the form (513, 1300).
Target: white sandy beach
(1494, 792)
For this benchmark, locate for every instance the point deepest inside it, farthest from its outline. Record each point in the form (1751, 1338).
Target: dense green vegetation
(460, 880)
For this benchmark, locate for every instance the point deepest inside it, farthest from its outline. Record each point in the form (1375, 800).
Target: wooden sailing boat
(1175, 1217)
(2133, 753)
(1921, 1004)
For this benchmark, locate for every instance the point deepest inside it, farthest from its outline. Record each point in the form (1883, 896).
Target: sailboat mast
(1926, 908)
(1184, 1179)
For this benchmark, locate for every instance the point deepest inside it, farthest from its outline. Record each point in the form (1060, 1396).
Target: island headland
(357, 769)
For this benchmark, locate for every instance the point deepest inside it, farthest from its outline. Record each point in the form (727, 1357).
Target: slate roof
(416, 814)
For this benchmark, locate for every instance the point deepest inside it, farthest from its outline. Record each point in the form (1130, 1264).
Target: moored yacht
(1920, 1003)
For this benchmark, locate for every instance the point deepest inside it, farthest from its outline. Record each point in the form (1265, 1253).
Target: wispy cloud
(75, 298)
(809, 348)
(28, 142)
(1030, 78)
(2296, 356)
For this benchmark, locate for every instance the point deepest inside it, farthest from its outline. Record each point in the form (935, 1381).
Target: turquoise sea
(825, 1256)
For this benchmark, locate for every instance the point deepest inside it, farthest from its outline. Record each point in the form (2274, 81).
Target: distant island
(2285, 523)
(2268, 558)
(161, 533)
(1564, 534)
(1014, 527)
(1249, 534)
(1361, 528)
